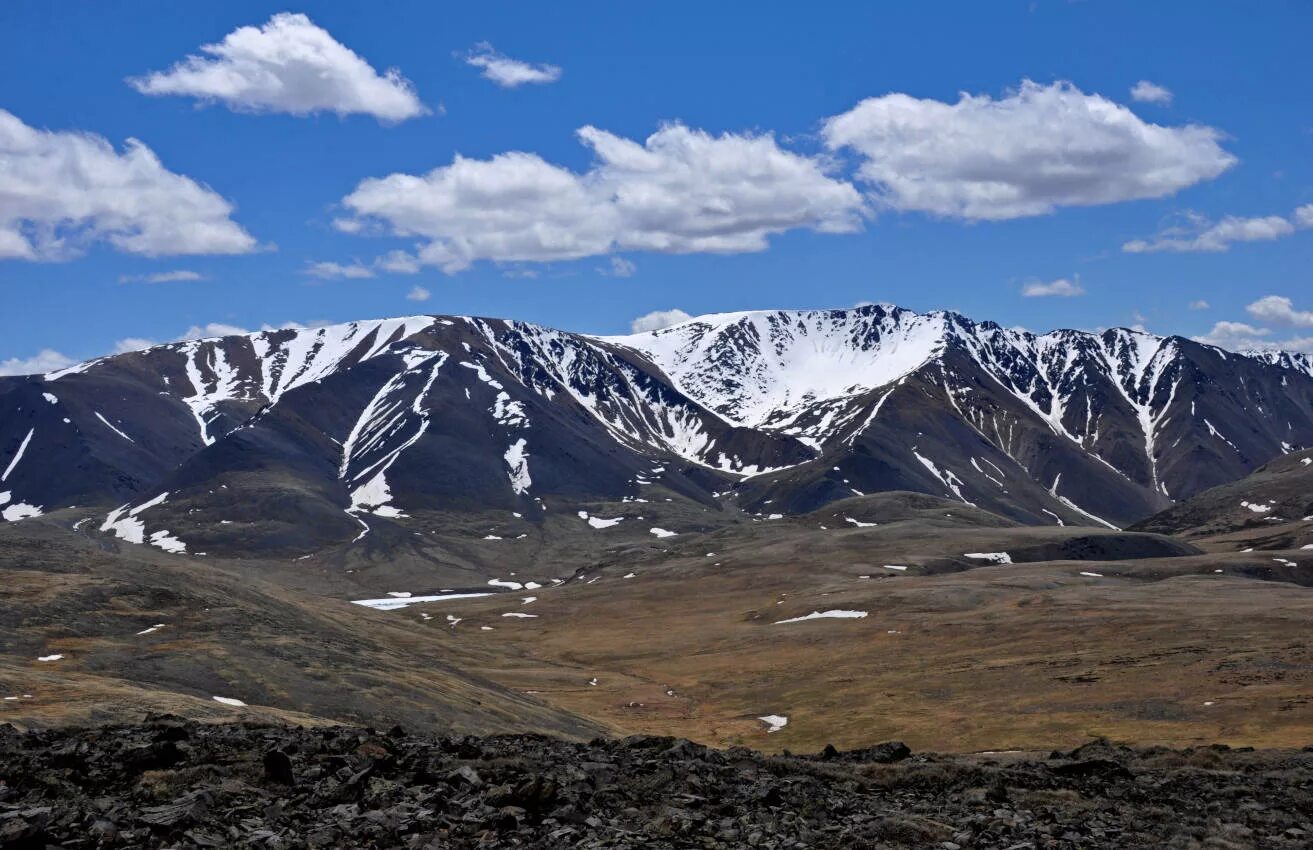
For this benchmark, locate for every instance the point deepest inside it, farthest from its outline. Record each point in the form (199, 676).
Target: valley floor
(787, 634)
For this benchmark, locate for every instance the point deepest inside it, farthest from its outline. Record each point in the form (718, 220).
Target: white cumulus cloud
(418, 293)
(1060, 287)
(288, 65)
(61, 191)
(1029, 153)
(1274, 310)
(1280, 310)
(328, 270)
(1199, 304)
(658, 319)
(507, 72)
(620, 267)
(679, 191)
(1197, 233)
(1147, 92)
(45, 360)
(162, 277)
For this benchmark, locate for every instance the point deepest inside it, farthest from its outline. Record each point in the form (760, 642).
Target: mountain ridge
(413, 418)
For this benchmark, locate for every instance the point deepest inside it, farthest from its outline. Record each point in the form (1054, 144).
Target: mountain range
(366, 434)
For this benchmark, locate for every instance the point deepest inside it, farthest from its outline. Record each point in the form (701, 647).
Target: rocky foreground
(173, 783)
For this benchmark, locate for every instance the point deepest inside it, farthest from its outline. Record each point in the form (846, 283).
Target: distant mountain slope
(1273, 506)
(293, 440)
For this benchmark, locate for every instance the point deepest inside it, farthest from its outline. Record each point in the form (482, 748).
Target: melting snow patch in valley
(774, 722)
(373, 497)
(509, 585)
(895, 567)
(992, 557)
(18, 510)
(599, 522)
(661, 532)
(154, 628)
(825, 615)
(1091, 575)
(56, 657)
(1255, 507)
(167, 542)
(392, 603)
(517, 461)
(519, 615)
(128, 527)
(859, 523)
(229, 701)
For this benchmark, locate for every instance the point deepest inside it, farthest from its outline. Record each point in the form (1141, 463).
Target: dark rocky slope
(170, 783)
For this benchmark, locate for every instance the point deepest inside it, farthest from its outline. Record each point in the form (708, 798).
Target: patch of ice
(774, 722)
(835, 614)
(517, 462)
(392, 603)
(115, 430)
(163, 540)
(992, 557)
(22, 447)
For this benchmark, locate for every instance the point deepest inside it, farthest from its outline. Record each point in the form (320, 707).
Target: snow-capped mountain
(324, 434)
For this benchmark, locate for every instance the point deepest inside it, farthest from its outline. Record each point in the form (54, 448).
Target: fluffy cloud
(1037, 149)
(208, 330)
(680, 191)
(329, 270)
(1060, 287)
(1199, 234)
(162, 277)
(45, 360)
(658, 319)
(288, 65)
(507, 72)
(398, 262)
(1199, 304)
(214, 329)
(1280, 310)
(418, 293)
(1235, 336)
(620, 267)
(1147, 92)
(1270, 310)
(133, 343)
(49, 360)
(60, 191)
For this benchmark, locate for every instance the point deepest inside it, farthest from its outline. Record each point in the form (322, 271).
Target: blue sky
(775, 183)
